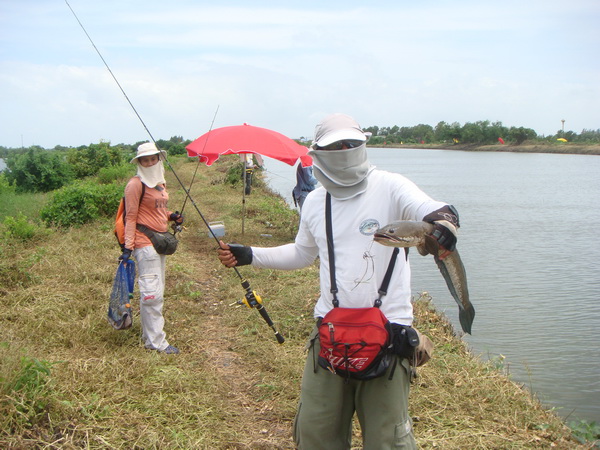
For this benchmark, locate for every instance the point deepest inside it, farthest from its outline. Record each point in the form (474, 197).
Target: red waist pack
(355, 342)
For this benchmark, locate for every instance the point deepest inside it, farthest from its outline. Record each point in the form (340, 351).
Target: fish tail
(466, 317)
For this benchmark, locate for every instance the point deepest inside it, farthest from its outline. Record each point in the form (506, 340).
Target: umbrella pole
(244, 198)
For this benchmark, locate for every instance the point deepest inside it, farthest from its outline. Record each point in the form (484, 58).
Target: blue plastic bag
(119, 305)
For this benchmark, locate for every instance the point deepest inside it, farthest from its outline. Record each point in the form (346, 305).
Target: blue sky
(284, 65)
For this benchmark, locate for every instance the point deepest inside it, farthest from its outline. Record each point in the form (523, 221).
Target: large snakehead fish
(408, 233)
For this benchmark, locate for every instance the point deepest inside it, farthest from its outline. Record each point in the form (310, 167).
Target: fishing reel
(177, 228)
(251, 298)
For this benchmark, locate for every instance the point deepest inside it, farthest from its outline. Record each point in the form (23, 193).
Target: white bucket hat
(338, 127)
(148, 149)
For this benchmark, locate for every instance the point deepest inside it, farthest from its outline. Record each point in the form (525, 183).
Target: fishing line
(275, 174)
(252, 299)
(198, 165)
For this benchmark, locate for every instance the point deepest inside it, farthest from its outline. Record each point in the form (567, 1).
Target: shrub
(38, 170)
(585, 432)
(19, 228)
(82, 202)
(24, 388)
(5, 186)
(235, 174)
(122, 172)
(88, 161)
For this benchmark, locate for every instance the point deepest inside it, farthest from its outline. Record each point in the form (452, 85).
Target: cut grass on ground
(68, 380)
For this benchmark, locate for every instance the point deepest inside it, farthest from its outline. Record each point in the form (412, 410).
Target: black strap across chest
(334, 290)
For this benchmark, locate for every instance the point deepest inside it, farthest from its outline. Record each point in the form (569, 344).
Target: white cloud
(387, 63)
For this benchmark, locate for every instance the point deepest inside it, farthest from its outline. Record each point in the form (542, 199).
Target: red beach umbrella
(247, 139)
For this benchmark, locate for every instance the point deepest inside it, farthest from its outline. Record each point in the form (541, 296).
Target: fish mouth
(389, 239)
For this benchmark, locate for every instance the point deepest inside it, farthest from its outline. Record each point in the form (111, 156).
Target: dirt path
(261, 427)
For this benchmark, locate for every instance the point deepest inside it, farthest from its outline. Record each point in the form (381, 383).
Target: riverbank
(233, 386)
(565, 148)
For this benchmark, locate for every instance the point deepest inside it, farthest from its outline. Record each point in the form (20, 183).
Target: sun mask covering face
(153, 175)
(343, 173)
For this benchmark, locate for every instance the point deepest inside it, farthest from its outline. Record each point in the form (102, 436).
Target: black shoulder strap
(143, 192)
(334, 290)
(388, 276)
(329, 231)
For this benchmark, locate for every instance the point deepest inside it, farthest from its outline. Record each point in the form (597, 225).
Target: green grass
(13, 204)
(233, 386)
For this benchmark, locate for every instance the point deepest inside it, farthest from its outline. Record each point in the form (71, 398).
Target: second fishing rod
(251, 298)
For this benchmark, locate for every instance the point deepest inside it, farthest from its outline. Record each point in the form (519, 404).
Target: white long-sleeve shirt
(360, 263)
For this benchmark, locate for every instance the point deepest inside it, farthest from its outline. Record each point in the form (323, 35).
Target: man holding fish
(362, 201)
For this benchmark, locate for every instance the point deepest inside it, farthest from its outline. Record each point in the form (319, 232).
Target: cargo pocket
(403, 437)
(149, 285)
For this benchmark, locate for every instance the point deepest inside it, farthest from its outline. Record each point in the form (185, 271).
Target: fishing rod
(251, 298)
(198, 165)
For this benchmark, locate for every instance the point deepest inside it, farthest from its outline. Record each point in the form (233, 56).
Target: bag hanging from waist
(164, 242)
(355, 342)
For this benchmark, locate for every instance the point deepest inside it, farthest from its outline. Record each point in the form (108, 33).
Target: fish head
(403, 233)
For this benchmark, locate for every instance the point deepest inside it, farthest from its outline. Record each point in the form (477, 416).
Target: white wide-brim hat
(338, 127)
(148, 149)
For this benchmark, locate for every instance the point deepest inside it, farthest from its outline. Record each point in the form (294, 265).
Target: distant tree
(87, 161)
(472, 133)
(374, 130)
(441, 132)
(38, 170)
(423, 132)
(497, 130)
(570, 136)
(589, 136)
(377, 140)
(521, 134)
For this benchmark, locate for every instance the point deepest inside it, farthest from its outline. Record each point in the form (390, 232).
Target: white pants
(151, 281)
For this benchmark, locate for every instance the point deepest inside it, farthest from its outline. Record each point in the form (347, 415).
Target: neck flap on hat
(343, 173)
(153, 175)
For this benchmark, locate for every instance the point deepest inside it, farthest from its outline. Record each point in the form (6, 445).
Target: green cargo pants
(328, 403)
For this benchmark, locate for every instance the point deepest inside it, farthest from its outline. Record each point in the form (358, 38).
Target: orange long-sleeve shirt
(151, 212)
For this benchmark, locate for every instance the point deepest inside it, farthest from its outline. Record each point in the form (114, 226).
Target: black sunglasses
(341, 145)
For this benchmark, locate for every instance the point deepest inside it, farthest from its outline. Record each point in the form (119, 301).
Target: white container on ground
(218, 228)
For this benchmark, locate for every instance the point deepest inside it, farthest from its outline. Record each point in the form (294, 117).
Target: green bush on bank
(20, 228)
(122, 172)
(82, 202)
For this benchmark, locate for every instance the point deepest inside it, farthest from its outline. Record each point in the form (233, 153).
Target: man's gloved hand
(125, 256)
(234, 254)
(445, 224)
(176, 217)
(444, 235)
(242, 253)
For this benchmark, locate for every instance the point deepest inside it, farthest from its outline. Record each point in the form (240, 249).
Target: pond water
(530, 247)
